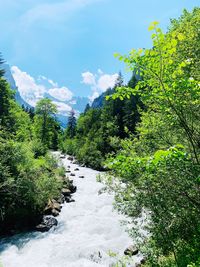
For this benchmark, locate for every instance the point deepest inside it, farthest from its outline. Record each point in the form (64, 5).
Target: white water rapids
(87, 230)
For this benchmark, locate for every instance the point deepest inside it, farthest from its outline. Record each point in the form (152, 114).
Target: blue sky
(69, 44)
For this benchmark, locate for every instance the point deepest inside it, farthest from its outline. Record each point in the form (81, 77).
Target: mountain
(9, 78)
(64, 107)
(98, 102)
(77, 103)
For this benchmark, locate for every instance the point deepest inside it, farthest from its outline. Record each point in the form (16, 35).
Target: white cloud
(51, 82)
(63, 108)
(32, 91)
(107, 81)
(62, 94)
(51, 12)
(88, 78)
(93, 96)
(27, 86)
(99, 82)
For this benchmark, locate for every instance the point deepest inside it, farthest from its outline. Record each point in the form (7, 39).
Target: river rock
(69, 199)
(55, 212)
(131, 251)
(72, 174)
(68, 166)
(81, 176)
(70, 158)
(62, 156)
(61, 199)
(46, 224)
(72, 188)
(67, 171)
(51, 206)
(66, 192)
(56, 205)
(77, 169)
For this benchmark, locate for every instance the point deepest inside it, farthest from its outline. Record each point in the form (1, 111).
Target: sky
(66, 47)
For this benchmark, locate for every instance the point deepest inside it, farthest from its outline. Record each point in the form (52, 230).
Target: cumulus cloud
(27, 86)
(99, 82)
(62, 94)
(88, 78)
(51, 82)
(107, 81)
(33, 90)
(63, 108)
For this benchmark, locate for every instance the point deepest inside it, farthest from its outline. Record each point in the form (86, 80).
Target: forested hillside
(147, 133)
(29, 176)
(100, 128)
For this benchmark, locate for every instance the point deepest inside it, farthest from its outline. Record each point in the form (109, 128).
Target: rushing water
(87, 229)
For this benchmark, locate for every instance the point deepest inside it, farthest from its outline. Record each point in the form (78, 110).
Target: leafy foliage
(29, 176)
(97, 129)
(158, 169)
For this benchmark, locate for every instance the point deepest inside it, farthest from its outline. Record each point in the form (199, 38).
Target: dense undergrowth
(29, 175)
(149, 133)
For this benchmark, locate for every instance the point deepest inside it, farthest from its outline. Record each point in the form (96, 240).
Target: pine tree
(71, 127)
(87, 108)
(6, 100)
(1, 70)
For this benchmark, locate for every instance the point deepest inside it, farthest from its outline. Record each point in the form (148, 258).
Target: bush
(38, 148)
(89, 155)
(26, 184)
(166, 186)
(69, 146)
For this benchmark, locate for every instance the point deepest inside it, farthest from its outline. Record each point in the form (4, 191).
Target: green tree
(71, 125)
(159, 177)
(44, 121)
(1, 69)
(167, 84)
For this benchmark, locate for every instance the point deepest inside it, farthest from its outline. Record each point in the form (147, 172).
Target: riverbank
(87, 230)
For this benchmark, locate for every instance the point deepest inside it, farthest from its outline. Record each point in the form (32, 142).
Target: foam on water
(87, 229)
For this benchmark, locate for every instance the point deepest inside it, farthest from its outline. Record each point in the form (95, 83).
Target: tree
(1, 70)
(159, 170)
(44, 122)
(168, 85)
(87, 108)
(6, 103)
(71, 125)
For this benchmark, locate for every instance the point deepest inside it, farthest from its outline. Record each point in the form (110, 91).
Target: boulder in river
(52, 208)
(55, 212)
(69, 199)
(61, 199)
(81, 176)
(70, 158)
(72, 174)
(67, 171)
(131, 251)
(62, 156)
(56, 205)
(72, 188)
(46, 224)
(77, 169)
(66, 192)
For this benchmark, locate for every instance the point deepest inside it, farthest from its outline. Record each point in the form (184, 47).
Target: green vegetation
(149, 131)
(29, 176)
(98, 130)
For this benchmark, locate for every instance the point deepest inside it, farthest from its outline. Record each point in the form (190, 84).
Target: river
(87, 230)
